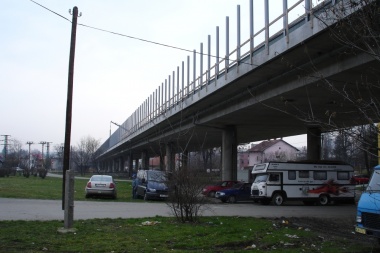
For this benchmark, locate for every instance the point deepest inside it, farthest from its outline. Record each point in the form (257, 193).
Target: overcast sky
(114, 74)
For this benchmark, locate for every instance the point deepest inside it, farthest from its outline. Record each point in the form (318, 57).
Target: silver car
(101, 185)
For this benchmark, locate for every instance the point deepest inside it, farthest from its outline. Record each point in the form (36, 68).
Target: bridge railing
(178, 88)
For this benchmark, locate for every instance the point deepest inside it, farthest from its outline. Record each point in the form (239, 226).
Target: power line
(143, 40)
(51, 11)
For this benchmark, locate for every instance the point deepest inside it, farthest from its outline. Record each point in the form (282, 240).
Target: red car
(210, 190)
(360, 179)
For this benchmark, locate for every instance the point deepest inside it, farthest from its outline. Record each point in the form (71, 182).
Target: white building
(271, 151)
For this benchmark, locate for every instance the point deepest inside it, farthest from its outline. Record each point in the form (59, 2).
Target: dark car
(238, 192)
(360, 179)
(151, 184)
(210, 190)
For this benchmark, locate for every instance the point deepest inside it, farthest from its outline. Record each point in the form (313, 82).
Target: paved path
(31, 209)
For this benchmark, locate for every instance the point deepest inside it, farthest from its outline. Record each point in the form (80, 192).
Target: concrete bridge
(271, 85)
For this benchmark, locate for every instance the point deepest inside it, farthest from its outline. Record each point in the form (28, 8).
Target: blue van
(368, 211)
(151, 184)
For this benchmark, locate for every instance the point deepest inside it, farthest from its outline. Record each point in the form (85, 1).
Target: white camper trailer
(310, 182)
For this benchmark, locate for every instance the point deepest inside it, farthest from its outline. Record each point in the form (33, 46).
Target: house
(272, 150)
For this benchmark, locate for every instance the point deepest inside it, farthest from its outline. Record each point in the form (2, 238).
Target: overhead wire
(161, 44)
(140, 39)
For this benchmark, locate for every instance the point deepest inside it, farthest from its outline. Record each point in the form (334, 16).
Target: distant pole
(5, 145)
(66, 152)
(29, 143)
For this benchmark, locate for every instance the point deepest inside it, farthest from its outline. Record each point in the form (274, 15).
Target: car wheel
(211, 194)
(232, 199)
(323, 199)
(278, 199)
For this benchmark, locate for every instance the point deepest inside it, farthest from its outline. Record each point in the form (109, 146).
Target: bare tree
(84, 153)
(185, 199)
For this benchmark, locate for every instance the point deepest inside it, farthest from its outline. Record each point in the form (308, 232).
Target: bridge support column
(184, 159)
(170, 157)
(137, 165)
(145, 160)
(229, 154)
(130, 165)
(313, 143)
(121, 164)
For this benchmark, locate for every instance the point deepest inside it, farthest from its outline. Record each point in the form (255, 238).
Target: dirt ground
(333, 230)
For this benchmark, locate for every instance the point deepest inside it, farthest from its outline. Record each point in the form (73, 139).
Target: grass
(210, 234)
(51, 188)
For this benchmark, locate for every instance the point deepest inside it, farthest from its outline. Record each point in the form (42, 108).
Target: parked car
(238, 192)
(101, 185)
(210, 190)
(151, 184)
(360, 179)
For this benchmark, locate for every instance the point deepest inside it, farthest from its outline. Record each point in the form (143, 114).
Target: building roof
(261, 147)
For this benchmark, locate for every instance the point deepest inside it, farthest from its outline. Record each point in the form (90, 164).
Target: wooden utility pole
(66, 152)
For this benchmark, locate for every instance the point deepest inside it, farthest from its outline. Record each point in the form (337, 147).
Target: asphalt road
(32, 209)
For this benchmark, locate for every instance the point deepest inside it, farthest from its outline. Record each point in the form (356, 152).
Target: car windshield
(261, 178)
(374, 183)
(101, 178)
(157, 175)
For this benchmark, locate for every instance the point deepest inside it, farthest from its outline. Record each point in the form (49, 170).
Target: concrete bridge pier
(229, 153)
(184, 159)
(144, 160)
(130, 164)
(120, 167)
(170, 157)
(313, 143)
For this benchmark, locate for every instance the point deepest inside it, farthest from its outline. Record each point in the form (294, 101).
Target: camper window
(303, 174)
(274, 178)
(343, 175)
(292, 175)
(320, 175)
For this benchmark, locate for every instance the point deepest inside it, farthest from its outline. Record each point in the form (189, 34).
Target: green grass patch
(211, 234)
(51, 188)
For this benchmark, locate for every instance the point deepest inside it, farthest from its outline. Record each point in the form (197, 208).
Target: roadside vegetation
(158, 234)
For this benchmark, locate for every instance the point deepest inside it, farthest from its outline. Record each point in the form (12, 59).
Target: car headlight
(221, 193)
(151, 190)
(358, 218)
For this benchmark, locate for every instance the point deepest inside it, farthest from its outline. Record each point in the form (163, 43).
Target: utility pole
(48, 155)
(42, 158)
(28, 170)
(68, 196)
(5, 145)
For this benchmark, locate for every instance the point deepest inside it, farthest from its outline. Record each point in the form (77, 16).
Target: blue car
(238, 192)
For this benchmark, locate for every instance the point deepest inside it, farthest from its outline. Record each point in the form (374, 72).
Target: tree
(84, 153)
(185, 199)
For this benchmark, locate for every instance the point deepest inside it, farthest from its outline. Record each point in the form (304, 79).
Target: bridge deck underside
(280, 98)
